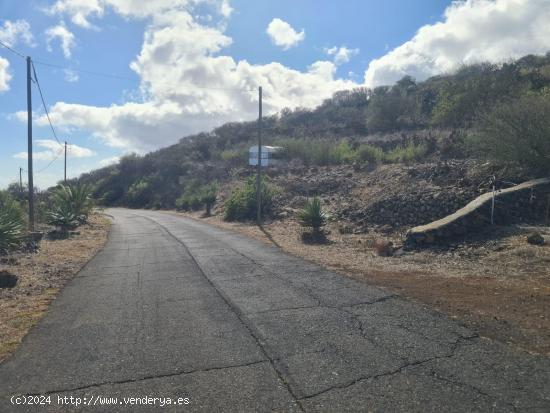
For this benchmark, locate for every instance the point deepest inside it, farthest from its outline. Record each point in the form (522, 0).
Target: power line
(44, 104)
(12, 50)
(119, 77)
(50, 164)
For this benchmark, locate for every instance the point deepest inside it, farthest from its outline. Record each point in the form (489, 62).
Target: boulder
(536, 238)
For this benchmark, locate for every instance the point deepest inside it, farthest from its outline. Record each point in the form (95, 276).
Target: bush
(234, 157)
(207, 195)
(140, 194)
(516, 132)
(406, 154)
(370, 153)
(317, 152)
(195, 195)
(12, 225)
(312, 215)
(342, 153)
(241, 205)
(71, 206)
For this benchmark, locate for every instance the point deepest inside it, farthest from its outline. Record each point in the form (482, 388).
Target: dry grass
(501, 288)
(41, 276)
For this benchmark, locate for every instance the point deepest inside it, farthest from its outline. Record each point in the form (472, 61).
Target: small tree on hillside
(517, 132)
(208, 195)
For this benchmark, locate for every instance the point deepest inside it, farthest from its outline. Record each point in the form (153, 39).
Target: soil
(41, 275)
(497, 284)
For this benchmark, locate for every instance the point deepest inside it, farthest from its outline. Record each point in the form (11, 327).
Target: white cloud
(225, 8)
(179, 55)
(79, 10)
(5, 75)
(471, 31)
(109, 161)
(341, 54)
(282, 34)
(54, 150)
(66, 38)
(70, 75)
(13, 31)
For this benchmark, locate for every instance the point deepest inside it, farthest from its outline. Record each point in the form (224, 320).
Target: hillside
(417, 150)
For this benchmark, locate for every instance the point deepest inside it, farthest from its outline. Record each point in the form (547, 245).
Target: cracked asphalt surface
(172, 307)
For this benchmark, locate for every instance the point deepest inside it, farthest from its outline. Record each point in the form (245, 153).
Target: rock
(345, 229)
(383, 248)
(399, 252)
(536, 239)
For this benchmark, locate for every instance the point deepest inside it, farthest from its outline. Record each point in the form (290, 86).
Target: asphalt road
(175, 308)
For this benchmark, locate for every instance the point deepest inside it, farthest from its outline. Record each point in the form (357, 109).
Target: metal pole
(65, 175)
(29, 137)
(21, 180)
(493, 207)
(259, 166)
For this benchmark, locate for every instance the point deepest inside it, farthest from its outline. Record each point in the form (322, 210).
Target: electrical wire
(119, 77)
(44, 104)
(12, 50)
(50, 164)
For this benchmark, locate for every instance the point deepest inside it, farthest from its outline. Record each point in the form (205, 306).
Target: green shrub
(140, 194)
(207, 196)
(242, 205)
(370, 153)
(63, 217)
(71, 206)
(12, 225)
(516, 132)
(312, 215)
(406, 154)
(234, 157)
(188, 201)
(319, 152)
(342, 153)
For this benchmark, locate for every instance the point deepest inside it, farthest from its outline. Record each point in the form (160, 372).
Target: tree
(208, 195)
(518, 132)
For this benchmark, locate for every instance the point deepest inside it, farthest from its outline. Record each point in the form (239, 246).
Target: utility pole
(65, 175)
(259, 167)
(29, 137)
(20, 180)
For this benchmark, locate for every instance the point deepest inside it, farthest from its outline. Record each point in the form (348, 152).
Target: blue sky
(190, 65)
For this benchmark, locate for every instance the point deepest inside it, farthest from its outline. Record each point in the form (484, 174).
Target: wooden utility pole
(29, 138)
(259, 167)
(65, 174)
(20, 180)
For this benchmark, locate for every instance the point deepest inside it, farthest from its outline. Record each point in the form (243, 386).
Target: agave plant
(313, 216)
(71, 202)
(11, 224)
(63, 216)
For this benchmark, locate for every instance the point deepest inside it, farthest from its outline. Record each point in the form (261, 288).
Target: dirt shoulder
(41, 276)
(500, 289)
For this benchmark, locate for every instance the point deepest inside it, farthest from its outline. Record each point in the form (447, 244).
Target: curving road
(174, 308)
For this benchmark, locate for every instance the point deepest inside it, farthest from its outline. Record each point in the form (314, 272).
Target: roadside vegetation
(33, 268)
(313, 218)
(12, 224)
(472, 113)
(242, 203)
